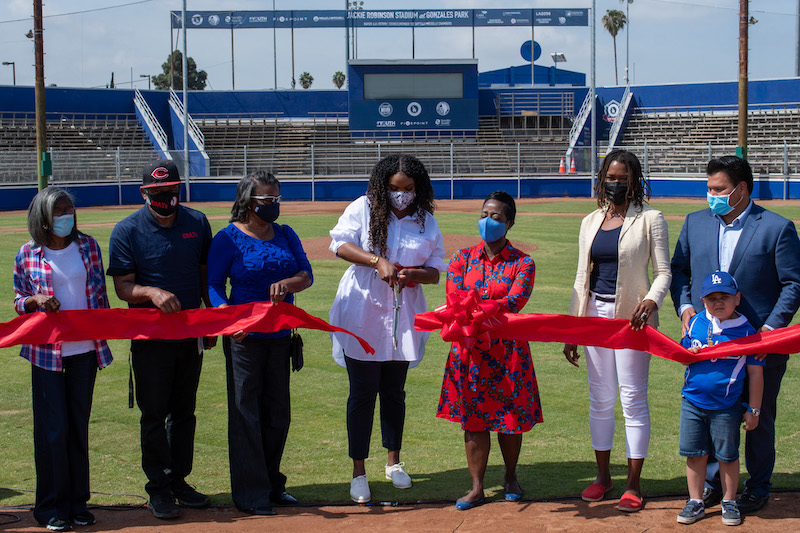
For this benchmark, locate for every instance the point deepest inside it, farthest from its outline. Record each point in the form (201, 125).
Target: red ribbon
(467, 318)
(96, 324)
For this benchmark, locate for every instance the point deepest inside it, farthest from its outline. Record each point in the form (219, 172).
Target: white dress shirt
(364, 302)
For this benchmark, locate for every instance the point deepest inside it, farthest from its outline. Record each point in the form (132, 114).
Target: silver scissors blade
(395, 313)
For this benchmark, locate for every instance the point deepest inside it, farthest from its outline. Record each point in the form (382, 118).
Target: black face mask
(268, 212)
(616, 191)
(164, 203)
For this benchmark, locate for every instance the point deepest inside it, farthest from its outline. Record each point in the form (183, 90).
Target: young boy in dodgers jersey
(711, 409)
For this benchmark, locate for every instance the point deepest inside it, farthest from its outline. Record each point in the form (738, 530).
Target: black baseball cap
(160, 173)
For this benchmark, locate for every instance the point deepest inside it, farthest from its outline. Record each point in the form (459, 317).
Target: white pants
(611, 370)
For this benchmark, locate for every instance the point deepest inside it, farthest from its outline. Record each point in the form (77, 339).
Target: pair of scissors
(395, 313)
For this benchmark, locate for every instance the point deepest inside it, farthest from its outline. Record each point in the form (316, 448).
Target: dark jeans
(167, 374)
(759, 444)
(62, 403)
(368, 379)
(258, 417)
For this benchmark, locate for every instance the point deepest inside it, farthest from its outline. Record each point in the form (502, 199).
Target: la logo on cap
(715, 279)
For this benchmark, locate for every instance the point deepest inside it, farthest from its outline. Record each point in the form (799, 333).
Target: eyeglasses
(267, 199)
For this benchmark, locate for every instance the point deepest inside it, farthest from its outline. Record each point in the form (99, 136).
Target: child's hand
(694, 349)
(750, 421)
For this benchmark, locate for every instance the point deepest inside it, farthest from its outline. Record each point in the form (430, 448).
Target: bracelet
(373, 262)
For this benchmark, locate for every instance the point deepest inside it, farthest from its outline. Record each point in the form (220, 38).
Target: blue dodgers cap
(719, 281)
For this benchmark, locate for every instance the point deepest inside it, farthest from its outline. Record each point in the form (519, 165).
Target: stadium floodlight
(148, 76)
(558, 58)
(13, 70)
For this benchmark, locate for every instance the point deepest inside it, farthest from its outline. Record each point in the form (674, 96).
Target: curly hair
(244, 192)
(378, 194)
(638, 187)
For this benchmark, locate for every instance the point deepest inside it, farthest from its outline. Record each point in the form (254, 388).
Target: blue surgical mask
(491, 230)
(720, 204)
(63, 225)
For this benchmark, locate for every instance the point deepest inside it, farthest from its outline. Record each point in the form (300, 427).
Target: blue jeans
(710, 431)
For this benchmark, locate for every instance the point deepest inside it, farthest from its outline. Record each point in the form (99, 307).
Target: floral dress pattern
(491, 386)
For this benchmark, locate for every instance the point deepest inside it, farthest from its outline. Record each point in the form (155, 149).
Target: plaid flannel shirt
(33, 275)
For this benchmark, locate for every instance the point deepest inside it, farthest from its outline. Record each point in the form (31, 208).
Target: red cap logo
(160, 173)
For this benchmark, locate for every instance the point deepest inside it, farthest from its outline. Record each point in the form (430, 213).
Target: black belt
(604, 298)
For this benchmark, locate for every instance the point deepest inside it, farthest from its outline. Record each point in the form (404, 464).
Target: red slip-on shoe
(630, 503)
(595, 492)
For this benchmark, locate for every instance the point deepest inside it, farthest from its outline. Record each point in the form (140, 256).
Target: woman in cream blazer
(617, 243)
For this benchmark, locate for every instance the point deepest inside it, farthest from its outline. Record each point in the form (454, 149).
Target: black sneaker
(188, 497)
(57, 524)
(730, 513)
(163, 506)
(691, 513)
(711, 497)
(84, 518)
(751, 501)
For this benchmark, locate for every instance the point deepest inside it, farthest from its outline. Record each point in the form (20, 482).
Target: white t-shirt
(364, 302)
(69, 288)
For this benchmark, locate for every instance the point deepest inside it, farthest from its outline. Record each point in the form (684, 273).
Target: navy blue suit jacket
(765, 264)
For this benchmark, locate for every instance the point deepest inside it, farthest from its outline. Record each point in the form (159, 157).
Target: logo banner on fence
(401, 18)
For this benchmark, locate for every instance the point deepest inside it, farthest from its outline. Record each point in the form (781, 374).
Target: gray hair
(244, 192)
(40, 214)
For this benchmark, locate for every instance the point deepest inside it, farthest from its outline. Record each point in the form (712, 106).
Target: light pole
(355, 6)
(557, 57)
(148, 79)
(627, 38)
(13, 70)
(274, 49)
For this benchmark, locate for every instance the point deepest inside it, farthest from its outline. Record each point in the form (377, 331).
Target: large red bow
(466, 318)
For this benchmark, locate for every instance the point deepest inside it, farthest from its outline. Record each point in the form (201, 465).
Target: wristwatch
(753, 411)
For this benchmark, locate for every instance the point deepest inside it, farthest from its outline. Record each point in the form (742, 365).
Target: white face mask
(402, 199)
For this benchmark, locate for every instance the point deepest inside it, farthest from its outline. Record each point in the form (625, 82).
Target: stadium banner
(405, 18)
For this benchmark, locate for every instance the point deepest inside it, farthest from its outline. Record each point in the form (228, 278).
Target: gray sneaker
(730, 513)
(692, 512)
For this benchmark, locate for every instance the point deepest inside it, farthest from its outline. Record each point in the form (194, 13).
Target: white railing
(580, 122)
(151, 121)
(194, 130)
(616, 127)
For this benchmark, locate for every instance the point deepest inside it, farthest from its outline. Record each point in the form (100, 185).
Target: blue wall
(521, 75)
(297, 103)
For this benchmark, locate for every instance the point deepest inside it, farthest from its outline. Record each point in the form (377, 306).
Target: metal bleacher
(682, 139)
(117, 144)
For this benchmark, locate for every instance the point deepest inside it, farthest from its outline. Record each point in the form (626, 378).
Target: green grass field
(557, 459)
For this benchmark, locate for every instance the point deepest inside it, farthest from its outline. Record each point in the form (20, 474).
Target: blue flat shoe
(466, 506)
(513, 496)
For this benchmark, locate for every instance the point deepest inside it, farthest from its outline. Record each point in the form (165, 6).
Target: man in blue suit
(762, 251)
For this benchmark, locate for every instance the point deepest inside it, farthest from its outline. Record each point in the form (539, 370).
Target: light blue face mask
(63, 225)
(719, 204)
(491, 229)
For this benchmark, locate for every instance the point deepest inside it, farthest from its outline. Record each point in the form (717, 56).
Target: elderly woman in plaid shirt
(61, 268)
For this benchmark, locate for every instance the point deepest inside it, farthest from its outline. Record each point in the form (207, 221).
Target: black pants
(62, 403)
(368, 379)
(258, 417)
(167, 374)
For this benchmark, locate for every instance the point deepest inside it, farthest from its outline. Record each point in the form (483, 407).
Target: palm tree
(306, 80)
(614, 20)
(338, 79)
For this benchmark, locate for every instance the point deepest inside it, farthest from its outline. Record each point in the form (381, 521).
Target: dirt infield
(568, 515)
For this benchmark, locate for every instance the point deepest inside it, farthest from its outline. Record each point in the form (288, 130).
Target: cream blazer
(643, 239)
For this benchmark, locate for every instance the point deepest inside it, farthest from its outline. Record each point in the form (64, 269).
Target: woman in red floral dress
(492, 386)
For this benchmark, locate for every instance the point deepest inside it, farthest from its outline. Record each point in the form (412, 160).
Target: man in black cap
(158, 259)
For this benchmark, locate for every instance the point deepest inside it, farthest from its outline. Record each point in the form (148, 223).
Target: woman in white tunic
(395, 244)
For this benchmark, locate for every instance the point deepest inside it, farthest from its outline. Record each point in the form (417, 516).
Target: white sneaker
(398, 475)
(359, 489)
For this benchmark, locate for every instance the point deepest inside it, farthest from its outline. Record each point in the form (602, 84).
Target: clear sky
(671, 41)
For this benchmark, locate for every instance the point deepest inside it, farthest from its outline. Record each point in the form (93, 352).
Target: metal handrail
(152, 122)
(193, 128)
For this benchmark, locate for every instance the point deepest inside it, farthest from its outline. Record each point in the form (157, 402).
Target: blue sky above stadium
(671, 41)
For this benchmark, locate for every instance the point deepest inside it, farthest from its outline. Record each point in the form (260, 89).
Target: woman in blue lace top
(263, 261)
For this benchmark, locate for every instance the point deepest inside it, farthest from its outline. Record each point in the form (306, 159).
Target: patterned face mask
(402, 199)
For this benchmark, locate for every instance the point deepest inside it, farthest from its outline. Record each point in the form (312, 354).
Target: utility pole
(44, 167)
(741, 148)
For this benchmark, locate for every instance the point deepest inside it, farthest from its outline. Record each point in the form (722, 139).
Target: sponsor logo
(562, 20)
(160, 173)
(190, 235)
(316, 19)
(385, 124)
(610, 110)
(442, 122)
(213, 20)
(281, 19)
(442, 108)
(414, 109)
(385, 109)
(197, 20)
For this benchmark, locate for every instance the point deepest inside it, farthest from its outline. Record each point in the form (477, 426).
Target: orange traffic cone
(572, 168)
(561, 168)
